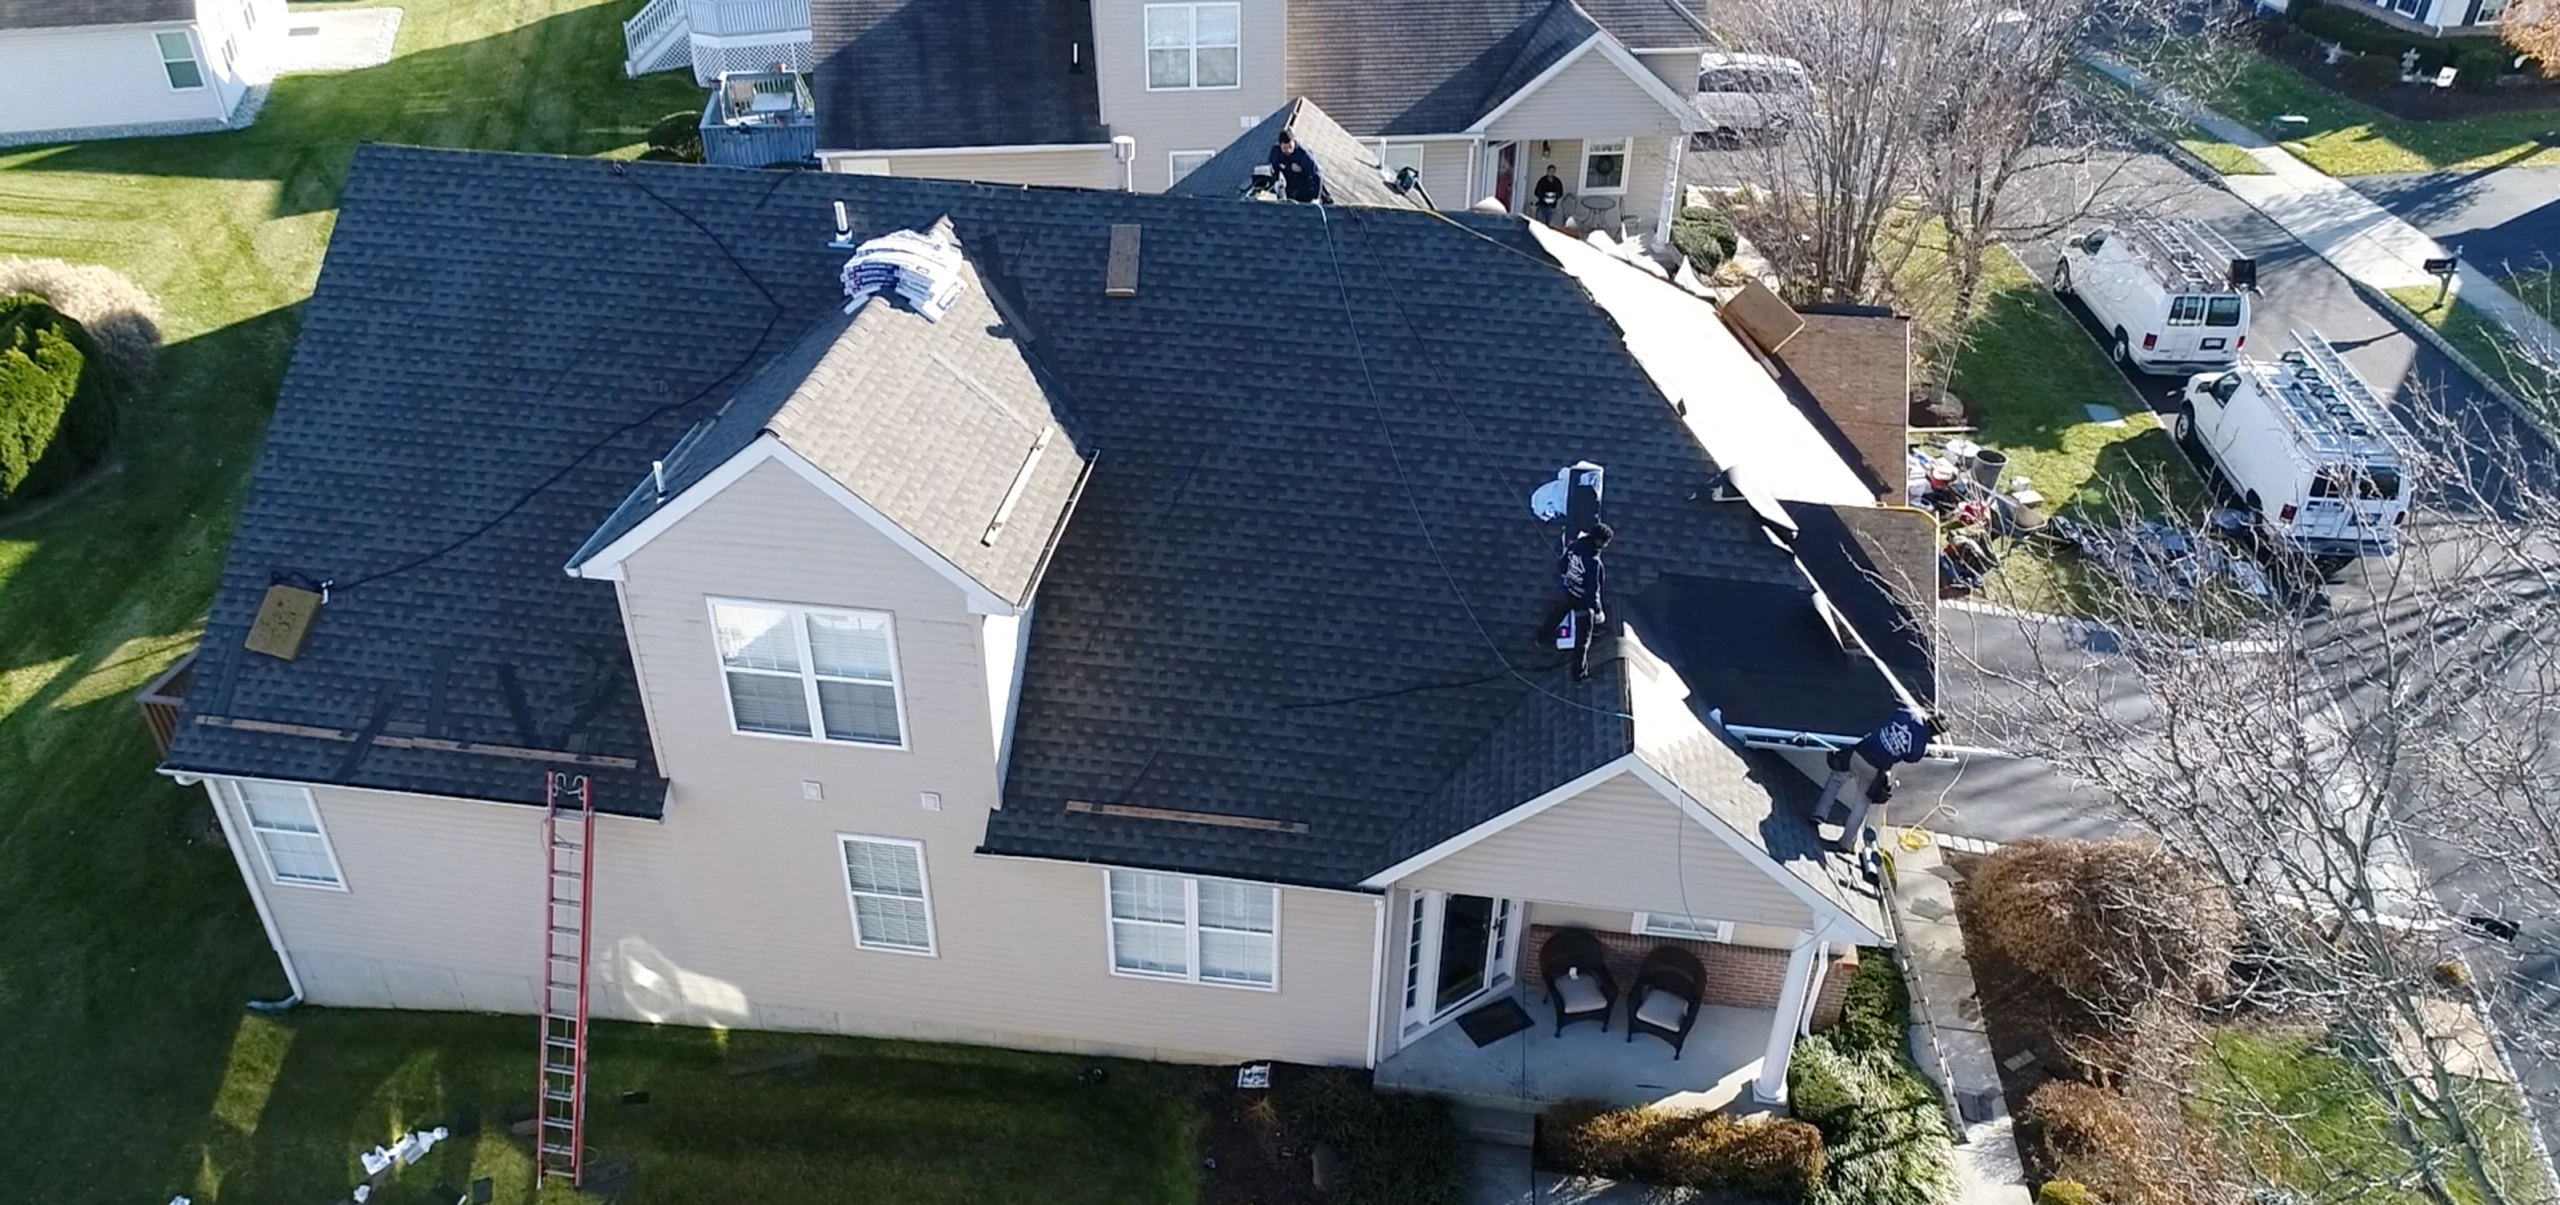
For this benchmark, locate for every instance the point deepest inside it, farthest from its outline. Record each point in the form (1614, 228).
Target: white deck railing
(733, 18)
(646, 38)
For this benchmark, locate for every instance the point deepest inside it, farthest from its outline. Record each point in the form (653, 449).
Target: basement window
(286, 823)
(178, 58)
(784, 665)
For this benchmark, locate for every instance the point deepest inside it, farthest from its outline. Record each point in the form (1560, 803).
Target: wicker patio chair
(1664, 1001)
(1579, 985)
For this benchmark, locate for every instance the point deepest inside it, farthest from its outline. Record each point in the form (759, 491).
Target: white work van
(2170, 295)
(2312, 452)
(1750, 95)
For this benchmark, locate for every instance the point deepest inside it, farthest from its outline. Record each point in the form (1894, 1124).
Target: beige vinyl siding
(83, 77)
(733, 911)
(1447, 170)
(1592, 98)
(1678, 69)
(1619, 845)
(1073, 167)
(1201, 119)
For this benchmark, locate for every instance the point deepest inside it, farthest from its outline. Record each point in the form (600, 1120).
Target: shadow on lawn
(502, 92)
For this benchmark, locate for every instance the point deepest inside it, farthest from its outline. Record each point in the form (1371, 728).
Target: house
(1478, 97)
(88, 69)
(715, 37)
(1138, 659)
(2437, 18)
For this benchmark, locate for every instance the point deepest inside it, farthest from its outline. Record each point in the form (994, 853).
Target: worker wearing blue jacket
(1579, 576)
(1297, 169)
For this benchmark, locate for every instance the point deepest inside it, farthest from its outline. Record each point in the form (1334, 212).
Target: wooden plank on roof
(1134, 812)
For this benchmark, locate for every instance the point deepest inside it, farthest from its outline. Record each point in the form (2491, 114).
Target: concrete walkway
(2361, 239)
(1947, 1036)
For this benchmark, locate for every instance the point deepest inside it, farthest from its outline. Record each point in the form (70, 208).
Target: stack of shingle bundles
(923, 269)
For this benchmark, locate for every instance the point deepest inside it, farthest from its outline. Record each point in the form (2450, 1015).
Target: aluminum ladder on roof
(568, 852)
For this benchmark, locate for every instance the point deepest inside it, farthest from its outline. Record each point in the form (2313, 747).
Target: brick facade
(1737, 976)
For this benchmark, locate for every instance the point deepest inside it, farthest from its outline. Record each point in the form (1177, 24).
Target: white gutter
(257, 897)
(1377, 975)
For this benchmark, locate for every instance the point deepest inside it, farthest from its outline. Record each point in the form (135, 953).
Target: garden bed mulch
(2416, 102)
(1251, 1153)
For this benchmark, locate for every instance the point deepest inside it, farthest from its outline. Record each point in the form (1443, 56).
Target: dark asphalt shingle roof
(929, 73)
(1349, 166)
(1436, 66)
(48, 14)
(1288, 595)
(930, 422)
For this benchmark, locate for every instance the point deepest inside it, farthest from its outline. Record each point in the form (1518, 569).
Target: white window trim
(195, 55)
(808, 672)
(1421, 149)
(1190, 933)
(1195, 85)
(249, 821)
(924, 882)
(1722, 930)
(1624, 148)
(1173, 172)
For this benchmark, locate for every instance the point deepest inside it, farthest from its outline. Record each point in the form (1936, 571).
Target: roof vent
(924, 269)
(1120, 271)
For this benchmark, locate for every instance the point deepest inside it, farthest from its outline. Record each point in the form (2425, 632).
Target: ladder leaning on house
(568, 841)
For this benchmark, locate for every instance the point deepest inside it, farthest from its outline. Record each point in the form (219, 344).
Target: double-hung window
(1689, 928)
(178, 58)
(785, 665)
(884, 877)
(286, 823)
(1394, 157)
(1604, 166)
(1183, 163)
(1195, 930)
(1192, 46)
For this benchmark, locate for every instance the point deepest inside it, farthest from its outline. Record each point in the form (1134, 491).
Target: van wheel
(2062, 277)
(2124, 351)
(2257, 509)
(2182, 429)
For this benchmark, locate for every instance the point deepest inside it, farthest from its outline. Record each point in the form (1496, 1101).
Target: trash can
(1988, 464)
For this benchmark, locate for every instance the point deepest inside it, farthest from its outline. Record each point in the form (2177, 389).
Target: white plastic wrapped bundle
(923, 269)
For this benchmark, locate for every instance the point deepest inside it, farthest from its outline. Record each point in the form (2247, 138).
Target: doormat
(1494, 1022)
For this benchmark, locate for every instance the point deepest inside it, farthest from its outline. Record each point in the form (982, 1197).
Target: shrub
(2371, 72)
(55, 417)
(1704, 237)
(2115, 924)
(2478, 67)
(1883, 1128)
(2065, 1192)
(122, 322)
(2125, 1149)
(1875, 1013)
(1396, 1150)
(1771, 1157)
(678, 136)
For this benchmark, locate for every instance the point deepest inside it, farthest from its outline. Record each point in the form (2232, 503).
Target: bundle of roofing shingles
(926, 269)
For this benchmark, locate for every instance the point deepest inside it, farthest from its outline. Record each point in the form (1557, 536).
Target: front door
(1459, 950)
(1506, 164)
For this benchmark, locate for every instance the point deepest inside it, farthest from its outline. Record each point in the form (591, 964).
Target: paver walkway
(2361, 239)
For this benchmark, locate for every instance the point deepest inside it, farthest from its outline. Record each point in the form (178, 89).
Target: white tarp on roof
(1733, 408)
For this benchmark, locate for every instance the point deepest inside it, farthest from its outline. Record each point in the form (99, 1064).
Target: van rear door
(2358, 503)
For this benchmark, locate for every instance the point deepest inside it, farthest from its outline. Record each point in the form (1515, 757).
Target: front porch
(1538, 1067)
(1626, 186)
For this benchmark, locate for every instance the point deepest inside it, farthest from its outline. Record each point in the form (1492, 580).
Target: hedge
(56, 418)
(676, 137)
(1883, 1126)
(1705, 237)
(1767, 1157)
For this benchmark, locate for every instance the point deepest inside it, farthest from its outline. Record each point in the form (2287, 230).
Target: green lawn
(2484, 341)
(2345, 138)
(2222, 157)
(2027, 375)
(2307, 1120)
(128, 1071)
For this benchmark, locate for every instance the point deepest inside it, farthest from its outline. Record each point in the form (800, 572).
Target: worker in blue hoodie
(1296, 168)
(1579, 574)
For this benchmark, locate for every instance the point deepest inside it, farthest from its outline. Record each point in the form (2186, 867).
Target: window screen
(886, 880)
(786, 664)
(287, 825)
(178, 58)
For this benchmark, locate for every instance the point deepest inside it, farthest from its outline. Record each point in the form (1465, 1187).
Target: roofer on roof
(1578, 576)
(1297, 168)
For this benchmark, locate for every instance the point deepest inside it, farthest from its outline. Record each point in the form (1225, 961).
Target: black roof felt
(1298, 588)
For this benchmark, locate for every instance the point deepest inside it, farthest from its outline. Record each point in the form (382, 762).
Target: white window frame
(1623, 148)
(1174, 171)
(924, 884)
(195, 58)
(808, 671)
(1682, 928)
(1420, 151)
(1147, 46)
(1190, 932)
(258, 837)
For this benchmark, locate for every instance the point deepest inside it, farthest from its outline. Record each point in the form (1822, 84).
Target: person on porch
(1549, 193)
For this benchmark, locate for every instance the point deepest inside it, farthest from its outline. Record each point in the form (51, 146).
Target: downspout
(258, 898)
(1813, 995)
(1377, 975)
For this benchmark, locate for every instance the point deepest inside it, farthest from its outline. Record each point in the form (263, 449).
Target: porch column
(1670, 188)
(1771, 1087)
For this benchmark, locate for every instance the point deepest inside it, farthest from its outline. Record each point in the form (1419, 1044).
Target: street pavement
(2506, 219)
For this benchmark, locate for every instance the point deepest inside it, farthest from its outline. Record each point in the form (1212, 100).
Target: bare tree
(2368, 772)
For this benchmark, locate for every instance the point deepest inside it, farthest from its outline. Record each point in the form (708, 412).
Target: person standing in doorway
(1579, 574)
(1549, 193)
(1297, 169)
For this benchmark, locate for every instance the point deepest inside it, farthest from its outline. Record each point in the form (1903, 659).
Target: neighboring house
(716, 36)
(1142, 670)
(74, 70)
(2438, 18)
(1478, 96)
